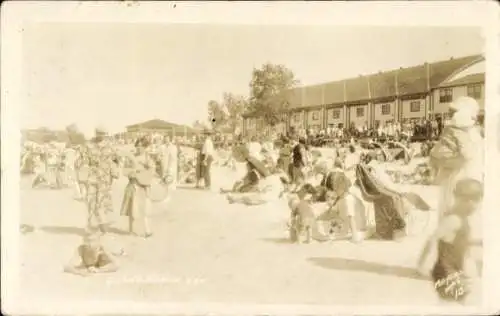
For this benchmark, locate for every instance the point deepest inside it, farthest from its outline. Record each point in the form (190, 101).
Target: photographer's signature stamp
(451, 286)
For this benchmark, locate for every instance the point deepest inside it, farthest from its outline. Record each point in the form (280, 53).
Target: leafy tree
(217, 115)
(73, 135)
(234, 106)
(268, 92)
(227, 115)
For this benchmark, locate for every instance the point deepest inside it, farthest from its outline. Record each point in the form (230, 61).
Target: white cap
(465, 104)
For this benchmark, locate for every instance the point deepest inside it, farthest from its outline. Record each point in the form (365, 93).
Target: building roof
(334, 92)
(469, 79)
(442, 70)
(382, 85)
(357, 89)
(159, 124)
(410, 81)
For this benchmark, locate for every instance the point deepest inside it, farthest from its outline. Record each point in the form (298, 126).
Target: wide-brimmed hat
(242, 154)
(259, 166)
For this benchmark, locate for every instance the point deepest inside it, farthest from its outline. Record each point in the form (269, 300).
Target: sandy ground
(204, 250)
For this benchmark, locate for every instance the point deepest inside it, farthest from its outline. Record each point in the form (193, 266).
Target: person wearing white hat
(459, 151)
(458, 155)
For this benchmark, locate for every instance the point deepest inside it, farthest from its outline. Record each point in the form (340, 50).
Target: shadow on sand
(188, 187)
(278, 240)
(78, 231)
(365, 266)
(63, 230)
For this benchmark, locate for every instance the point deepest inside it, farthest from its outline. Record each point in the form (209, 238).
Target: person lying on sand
(248, 183)
(260, 185)
(91, 257)
(268, 189)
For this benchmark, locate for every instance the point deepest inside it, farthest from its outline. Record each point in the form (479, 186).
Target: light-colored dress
(136, 202)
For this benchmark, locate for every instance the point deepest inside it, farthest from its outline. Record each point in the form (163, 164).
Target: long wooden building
(423, 91)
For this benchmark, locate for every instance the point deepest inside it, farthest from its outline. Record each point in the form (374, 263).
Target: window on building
(360, 111)
(474, 91)
(415, 106)
(336, 114)
(446, 95)
(385, 109)
(296, 117)
(315, 115)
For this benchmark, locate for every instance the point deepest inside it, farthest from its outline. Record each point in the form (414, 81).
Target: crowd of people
(410, 129)
(345, 192)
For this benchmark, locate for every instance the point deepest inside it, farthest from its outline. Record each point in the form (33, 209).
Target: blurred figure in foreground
(455, 271)
(459, 152)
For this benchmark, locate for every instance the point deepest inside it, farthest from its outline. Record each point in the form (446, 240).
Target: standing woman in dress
(139, 169)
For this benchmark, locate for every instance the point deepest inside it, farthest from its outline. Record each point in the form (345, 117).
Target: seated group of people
(344, 196)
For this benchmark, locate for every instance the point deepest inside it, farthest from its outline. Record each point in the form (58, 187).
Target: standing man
(207, 156)
(299, 163)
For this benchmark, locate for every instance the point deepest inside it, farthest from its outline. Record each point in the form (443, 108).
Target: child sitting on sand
(91, 257)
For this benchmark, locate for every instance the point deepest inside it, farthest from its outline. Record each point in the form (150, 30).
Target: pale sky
(120, 74)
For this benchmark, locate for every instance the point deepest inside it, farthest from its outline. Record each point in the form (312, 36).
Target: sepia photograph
(265, 164)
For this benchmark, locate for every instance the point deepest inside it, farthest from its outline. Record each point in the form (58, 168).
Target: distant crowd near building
(414, 97)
